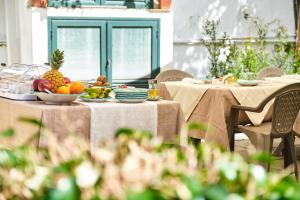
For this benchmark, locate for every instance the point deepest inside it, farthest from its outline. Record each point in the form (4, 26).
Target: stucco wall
(2, 32)
(189, 14)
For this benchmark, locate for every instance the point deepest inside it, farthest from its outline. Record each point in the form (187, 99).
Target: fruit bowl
(57, 99)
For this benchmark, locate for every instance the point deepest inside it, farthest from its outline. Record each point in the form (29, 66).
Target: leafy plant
(283, 51)
(221, 50)
(135, 166)
(2, 44)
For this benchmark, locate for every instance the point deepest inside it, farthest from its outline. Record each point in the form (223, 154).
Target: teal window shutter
(84, 43)
(133, 49)
(126, 51)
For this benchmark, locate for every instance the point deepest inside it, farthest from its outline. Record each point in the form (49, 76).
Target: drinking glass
(153, 93)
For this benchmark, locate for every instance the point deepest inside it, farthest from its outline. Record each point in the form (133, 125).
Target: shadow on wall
(188, 27)
(192, 59)
(191, 56)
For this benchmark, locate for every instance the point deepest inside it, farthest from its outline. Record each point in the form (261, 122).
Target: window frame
(107, 24)
(139, 4)
(154, 46)
(73, 3)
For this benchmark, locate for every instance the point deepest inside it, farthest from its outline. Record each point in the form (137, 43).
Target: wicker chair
(172, 75)
(285, 110)
(270, 72)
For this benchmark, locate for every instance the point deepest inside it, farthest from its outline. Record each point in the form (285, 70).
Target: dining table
(210, 104)
(89, 121)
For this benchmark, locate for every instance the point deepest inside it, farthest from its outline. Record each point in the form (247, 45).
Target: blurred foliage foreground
(134, 166)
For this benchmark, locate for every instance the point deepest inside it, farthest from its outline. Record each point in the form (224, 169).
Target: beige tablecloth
(75, 118)
(214, 106)
(186, 94)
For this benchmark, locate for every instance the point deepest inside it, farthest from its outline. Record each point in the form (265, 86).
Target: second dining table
(211, 104)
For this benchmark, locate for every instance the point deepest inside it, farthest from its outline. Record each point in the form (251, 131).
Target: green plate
(131, 90)
(96, 100)
(249, 82)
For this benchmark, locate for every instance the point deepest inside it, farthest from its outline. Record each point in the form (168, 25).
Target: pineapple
(54, 76)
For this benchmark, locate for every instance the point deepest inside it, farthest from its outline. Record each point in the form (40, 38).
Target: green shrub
(135, 166)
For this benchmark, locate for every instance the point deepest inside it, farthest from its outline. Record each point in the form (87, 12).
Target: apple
(67, 80)
(44, 84)
(35, 84)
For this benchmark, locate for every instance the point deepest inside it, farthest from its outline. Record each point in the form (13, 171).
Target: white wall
(189, 14)
(2, 32)
(13, 34)
(28, 41)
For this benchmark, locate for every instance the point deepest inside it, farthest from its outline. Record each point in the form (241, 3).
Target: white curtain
(131, 53)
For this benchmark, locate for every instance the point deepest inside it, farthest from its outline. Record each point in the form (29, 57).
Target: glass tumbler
(153, 93)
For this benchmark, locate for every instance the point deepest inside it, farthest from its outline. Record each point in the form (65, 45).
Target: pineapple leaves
(57, 59)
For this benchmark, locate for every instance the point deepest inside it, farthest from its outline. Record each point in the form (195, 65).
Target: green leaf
(124, 131)
(8, 133)
(8, 158)
(194, 186)
(263, 157)
(67, 166)
(148, 194)
(133, 134)
(197, 126)
(66, 189)
(32, 121)
(214, 192)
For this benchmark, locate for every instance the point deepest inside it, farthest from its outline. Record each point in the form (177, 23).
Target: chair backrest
(270, 72)
(172, 75)
(285, 110)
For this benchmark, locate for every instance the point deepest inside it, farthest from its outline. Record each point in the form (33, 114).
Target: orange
(77, 87)
(63, 90)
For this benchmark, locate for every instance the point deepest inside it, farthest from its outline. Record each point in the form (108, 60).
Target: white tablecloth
(108, 117)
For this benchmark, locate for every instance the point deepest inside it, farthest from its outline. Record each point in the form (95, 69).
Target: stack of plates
(131, 95)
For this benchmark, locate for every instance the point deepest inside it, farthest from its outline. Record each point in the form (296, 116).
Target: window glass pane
(82, 52)
(131, 53)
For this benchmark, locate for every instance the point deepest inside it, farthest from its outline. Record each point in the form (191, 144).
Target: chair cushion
(259, 136)
(264, 129)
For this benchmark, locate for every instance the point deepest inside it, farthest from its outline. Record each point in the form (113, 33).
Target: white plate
(19, 97)
(57, 99)
(249, 82)
(131, 100)
(96, 100)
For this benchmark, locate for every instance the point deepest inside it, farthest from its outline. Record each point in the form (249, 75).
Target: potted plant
(39, 3)
(165, 4)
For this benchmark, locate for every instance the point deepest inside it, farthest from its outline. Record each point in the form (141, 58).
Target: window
(78, 3)
(126, 51)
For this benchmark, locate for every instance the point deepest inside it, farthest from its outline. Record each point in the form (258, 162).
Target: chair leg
(293, 153)
(232, 142)
(287, 156)
(270, 152)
